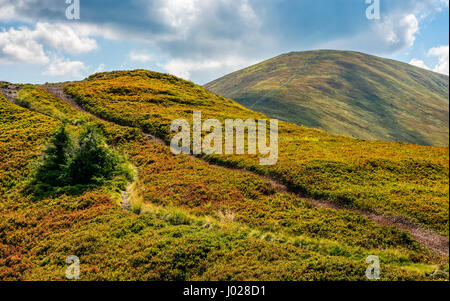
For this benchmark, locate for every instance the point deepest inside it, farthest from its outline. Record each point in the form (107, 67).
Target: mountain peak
(346, 92)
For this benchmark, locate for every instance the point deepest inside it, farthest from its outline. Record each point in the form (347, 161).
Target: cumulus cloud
(184, 15)
(29, 10)
(391, 34)
(398, 32)
(65, 67)
(178, 30)
(61, 36)
(442, 53)
(7, 11)
(193, 37)
(424, 8)
(25, 45)
(179, 14)
(185, 68)
(140, 56)
(419, 63)
(16, 46)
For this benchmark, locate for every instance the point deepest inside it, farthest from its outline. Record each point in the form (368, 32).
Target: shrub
(57, 156)
(71, 167)
(93, 160)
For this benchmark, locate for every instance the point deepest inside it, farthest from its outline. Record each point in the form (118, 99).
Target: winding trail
(57, 90)
(10, 92)
(430, 239)
(126, 204)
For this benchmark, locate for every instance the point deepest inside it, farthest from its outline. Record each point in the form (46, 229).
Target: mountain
(328, 203)
(346, 93)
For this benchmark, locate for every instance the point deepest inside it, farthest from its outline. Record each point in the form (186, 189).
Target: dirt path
(58, 91)
(126, 204)
(433, 241)
(10, 92)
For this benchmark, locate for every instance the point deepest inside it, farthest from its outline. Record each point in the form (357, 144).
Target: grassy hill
(395, 178)
(346, 93)
(193, 220)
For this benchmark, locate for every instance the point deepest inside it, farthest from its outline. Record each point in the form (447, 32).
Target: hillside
(328, 203)
(346, 93)
(396, 178)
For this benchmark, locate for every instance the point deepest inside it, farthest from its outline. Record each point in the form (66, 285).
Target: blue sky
(202, 40)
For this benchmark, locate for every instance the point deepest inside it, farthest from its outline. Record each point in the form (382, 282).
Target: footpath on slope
(430, 239)
(10, 92)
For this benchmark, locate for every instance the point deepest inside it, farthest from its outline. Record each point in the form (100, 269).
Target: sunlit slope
(198, 222)
(391, 178)
(346, 93)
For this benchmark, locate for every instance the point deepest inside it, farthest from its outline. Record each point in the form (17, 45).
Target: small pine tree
(53, 170)
(93, 161)
(71, 167)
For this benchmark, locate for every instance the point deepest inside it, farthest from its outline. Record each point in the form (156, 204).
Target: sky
(202, 40)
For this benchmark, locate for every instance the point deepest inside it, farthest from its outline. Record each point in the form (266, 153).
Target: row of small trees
(83, 160)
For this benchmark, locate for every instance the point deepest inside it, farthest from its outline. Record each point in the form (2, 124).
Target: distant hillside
(347, 93)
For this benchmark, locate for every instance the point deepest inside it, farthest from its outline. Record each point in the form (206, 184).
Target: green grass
(241, 230)
(392, 178)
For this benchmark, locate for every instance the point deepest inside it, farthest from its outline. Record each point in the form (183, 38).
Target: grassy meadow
(189, 220)
(390, 178)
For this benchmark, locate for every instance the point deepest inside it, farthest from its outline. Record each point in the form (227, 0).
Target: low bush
(73, 165)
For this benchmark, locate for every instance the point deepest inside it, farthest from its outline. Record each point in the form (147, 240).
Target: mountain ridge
(349, 93)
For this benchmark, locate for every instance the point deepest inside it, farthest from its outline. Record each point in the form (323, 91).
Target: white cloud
(180, 68)
(142, 57)
(100, 68)
(180, 14)
(442, 53)
(65, 67)
(393, 33)
(398, 32)
(410, 27)
(61, 36)
(17, 46)
(26, 45)
(183, 15)
(248, 14)
(194, 36)
(184, 68)
(425, 8)
(419, 63)
(7, 12)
